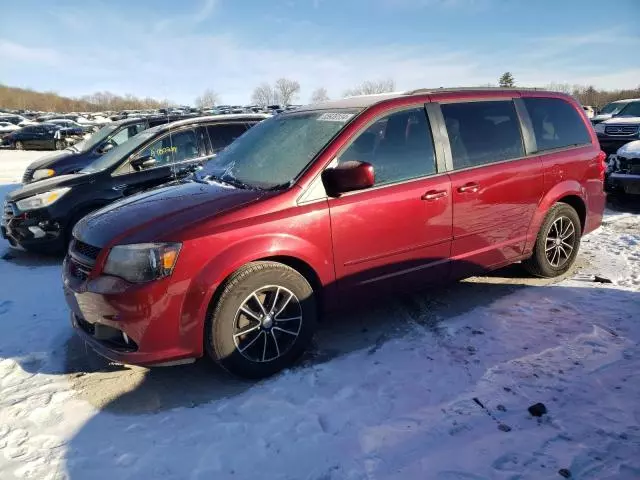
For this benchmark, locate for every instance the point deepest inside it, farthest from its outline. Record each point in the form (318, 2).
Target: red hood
(156, 214)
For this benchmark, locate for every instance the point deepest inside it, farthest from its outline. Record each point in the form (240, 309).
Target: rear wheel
(59, 145)
(557, 243)
(263, 320)
(19, 145)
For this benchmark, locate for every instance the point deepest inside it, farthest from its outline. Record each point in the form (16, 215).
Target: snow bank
(441, 393)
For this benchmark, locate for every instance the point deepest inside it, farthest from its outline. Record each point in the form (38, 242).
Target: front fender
(203, 286)
(560, 190)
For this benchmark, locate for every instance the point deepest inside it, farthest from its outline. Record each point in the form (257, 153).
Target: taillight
(602, 164)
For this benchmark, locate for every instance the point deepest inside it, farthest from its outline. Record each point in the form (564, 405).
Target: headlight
(42, 199)
(142, 262)
(44, 173)
(599, 128)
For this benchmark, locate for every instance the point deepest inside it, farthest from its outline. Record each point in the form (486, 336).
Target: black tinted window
(482, 132)
(556, 123)
(173, 148)
(633, 110)
(399, 146)
(223, 135)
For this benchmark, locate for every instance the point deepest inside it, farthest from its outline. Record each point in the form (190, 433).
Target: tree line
(585, 94)
(285, 91)
(26, 99)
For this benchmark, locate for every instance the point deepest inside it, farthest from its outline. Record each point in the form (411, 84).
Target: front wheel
(263, 321)
(557, 243)
(59, 145)
(19, 145)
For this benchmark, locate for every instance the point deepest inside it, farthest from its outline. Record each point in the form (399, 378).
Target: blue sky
(176, 49)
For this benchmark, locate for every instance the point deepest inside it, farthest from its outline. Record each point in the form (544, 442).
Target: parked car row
(238, 259)
(41, 215)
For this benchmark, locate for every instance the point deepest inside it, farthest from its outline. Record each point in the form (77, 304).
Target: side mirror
(105, 148)
(347, 177)
(142, 163)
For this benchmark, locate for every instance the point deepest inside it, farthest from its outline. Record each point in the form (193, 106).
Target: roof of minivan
(364, 101)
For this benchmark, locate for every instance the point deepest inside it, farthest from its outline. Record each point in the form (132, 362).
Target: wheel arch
(578, 204)
(570, 192)
(206, 287)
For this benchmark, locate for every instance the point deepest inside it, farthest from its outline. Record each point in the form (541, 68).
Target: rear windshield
(277, 150)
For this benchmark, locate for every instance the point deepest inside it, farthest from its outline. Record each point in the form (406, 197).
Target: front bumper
(32, 230)
(623, 182)
(136, 324)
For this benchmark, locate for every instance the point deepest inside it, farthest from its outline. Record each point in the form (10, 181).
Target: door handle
(469, 187)
(434, 194)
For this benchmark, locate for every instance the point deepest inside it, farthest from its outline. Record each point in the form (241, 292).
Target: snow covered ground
(435, 386)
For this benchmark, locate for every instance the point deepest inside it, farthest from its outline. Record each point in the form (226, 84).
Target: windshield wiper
(227, 181)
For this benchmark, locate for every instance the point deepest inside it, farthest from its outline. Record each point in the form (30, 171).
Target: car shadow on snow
(363, 326)
(359, 328)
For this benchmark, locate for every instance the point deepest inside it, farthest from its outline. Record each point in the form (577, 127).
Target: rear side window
(482, 132)
(556, 124)
(223, 135)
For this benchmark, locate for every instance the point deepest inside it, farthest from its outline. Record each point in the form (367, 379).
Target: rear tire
(19, 145)
(557, 243)
(263, 320)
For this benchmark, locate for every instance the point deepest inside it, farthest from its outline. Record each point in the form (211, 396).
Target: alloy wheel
(19, 146)
(267, 324)
(560, 242)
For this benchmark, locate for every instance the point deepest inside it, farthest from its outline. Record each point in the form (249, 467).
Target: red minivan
(329, 203)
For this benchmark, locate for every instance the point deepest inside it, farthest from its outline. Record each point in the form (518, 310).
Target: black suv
(78, 156)
(40, 216)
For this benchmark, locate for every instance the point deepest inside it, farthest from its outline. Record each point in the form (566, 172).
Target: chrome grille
(622, 130)
(86, 250)
(28, 174)
(78, 269)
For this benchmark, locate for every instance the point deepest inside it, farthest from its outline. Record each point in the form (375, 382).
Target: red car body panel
(346, 246)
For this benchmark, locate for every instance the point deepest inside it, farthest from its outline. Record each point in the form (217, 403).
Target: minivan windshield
(116, 154)
(274, 152)
(612, 108)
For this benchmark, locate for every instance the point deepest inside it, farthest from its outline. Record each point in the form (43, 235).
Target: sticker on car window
(162, 151)
(335, 117)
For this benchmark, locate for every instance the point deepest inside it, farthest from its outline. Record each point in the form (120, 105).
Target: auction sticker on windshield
(335, 117)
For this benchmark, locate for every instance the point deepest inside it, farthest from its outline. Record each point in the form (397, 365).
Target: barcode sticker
(335, 117)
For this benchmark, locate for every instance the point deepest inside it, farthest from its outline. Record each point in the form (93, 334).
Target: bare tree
(264, 95)
(207, 100)
(286, 90)
(319, 95)
(370, 87)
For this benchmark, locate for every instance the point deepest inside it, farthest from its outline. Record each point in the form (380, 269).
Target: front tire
(19, 145)
(263, 320)
(557, 243)
(59, 145)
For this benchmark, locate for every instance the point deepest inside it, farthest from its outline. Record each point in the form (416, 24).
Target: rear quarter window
(556, 124)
